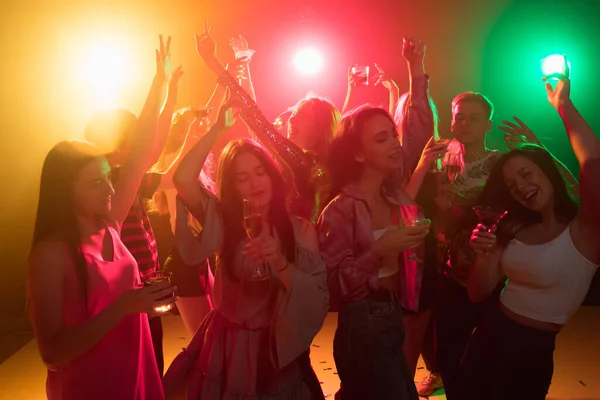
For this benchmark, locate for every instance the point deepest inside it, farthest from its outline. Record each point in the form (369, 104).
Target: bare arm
(416, 117)
(166, 116)
(586, 147)
(484, 276)
(48, 278)
(349, 91)
(141, 145)
(188, 171)
(57, 344)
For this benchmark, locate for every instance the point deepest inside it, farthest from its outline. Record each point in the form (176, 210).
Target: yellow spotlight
(104, 70)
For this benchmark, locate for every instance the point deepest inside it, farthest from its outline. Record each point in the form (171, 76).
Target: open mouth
(530, 195)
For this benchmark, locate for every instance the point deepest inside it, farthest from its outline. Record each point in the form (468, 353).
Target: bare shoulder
(49, 258)
(306, 234)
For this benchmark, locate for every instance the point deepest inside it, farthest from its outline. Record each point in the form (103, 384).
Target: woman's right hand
(400, 239)
(482, 241)
(145, 299)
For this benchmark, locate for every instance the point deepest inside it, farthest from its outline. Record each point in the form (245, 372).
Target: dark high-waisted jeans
(367, 349)
(507, 360)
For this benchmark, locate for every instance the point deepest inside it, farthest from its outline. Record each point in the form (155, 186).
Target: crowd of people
(255, 238)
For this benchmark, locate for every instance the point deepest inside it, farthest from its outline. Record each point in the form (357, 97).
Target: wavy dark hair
(56, 217)
(497, 195)
(232, 204)
(341, 158)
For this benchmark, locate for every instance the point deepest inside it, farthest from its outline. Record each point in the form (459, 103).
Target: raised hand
(413, 50)
(207, 48)
(384, 79)
(174, 85)
(226, 118)
(239, 42)
(517, 133)
(163, 59)
(561, 93)
(433, 151)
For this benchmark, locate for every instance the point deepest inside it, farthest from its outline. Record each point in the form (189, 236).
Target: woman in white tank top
(548, 247)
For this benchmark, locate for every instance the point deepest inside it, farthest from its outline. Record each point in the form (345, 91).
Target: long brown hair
(232, 204)
(341, 160)
(56, 217)
(496, 194)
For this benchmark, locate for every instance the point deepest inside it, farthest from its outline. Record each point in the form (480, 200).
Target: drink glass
(415, 222)
(241, 50)
(155, 278)
(438, 163)
(253, 225)
(490, 217)
(360, 74)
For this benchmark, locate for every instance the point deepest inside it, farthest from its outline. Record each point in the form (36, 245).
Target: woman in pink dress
(86, 305)
(248, 347)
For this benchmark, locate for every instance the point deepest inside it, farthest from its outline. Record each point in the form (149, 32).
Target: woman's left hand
(265, 249)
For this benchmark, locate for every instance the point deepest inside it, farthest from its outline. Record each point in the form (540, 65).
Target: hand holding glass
(489, 217)
(253, 224)
(415, 222)
(360, 73)
(241, 50)
(155, 278)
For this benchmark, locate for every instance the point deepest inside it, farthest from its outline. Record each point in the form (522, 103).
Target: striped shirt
(136, 231)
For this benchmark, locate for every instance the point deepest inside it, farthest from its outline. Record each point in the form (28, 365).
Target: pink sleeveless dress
(121, 366)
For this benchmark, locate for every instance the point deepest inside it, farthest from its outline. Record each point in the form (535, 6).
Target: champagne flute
(154, 278)
(253, 224)
(438, 163)
(415, 222)
(490, 217)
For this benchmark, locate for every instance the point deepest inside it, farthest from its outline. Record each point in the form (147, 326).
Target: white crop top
(546, 282)
(389, 264)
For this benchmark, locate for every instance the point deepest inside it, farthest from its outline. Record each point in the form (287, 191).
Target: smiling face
(251, 179)
(528, 184)
(92, 189)
(380, 145)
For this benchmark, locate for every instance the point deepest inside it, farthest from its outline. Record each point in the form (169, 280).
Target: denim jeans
(507, 360)
(367, 349)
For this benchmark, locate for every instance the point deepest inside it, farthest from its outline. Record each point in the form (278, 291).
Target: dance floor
(576, 376)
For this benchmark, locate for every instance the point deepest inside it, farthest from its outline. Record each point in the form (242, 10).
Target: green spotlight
(554, 64)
